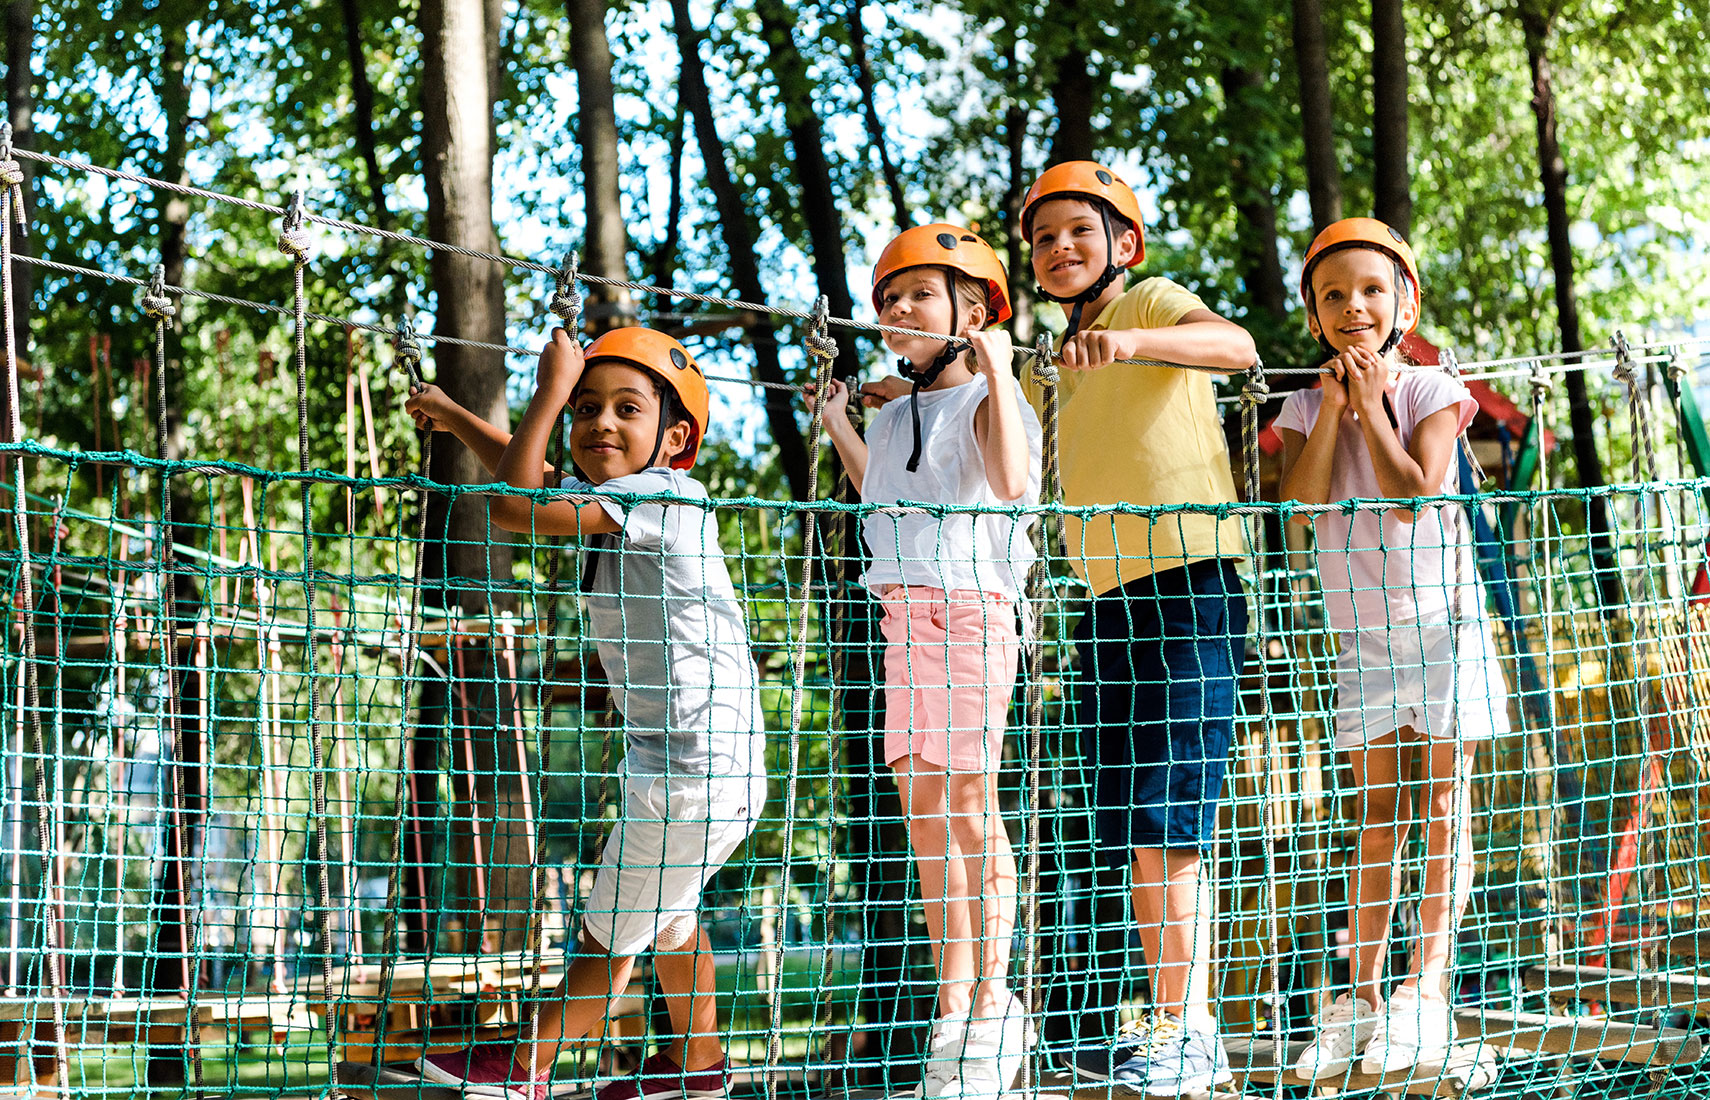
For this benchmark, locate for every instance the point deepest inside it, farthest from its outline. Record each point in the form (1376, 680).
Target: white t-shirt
(1376, 568)
(670, 632)
(985, 552)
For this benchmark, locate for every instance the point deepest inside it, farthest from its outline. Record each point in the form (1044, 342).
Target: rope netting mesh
(277, 808)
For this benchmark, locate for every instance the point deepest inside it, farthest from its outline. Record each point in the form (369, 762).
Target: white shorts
(674, 834)
(1403, 676)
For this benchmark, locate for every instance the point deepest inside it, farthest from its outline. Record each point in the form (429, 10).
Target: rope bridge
(275, 809)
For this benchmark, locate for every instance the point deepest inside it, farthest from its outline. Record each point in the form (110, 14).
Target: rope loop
(407, 347)
(1676, 368)
(566, 302)
(155, 302)
(1625, 371)
(1451, 365)
(1540, 381)
(1255, 391)
(1045, 370)
(293, 238)
(820, 345)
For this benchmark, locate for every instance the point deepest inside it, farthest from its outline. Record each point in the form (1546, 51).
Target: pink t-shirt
(1376, 568)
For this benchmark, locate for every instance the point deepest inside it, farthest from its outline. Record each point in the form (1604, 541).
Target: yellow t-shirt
(1142, 435)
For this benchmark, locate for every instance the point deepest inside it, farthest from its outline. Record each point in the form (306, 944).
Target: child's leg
(1172, 905)
(687, 978)
(1448, 863)
(1385, 807)
(581, 1000)
(988, 867)
(942, 881)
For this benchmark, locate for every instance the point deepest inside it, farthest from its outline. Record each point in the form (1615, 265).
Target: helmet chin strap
(1079, 301)
(927, 377)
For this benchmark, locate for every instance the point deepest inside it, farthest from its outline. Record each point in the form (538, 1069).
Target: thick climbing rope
(1254, 394)
(566, 305)
(159, 308)
(294, 243)
(1047, 537)
(12, 213)
(1657, 755)
(407, 356)
(1539, 559)
(823, 350)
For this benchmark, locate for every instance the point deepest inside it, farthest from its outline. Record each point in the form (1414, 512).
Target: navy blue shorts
(1161, 659)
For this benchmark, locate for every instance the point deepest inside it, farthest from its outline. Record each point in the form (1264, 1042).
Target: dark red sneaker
(659, 1078)
(486, 1070)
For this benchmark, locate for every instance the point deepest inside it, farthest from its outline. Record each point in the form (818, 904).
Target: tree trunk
(1255, 208)
(1015, 189)
(469, 558)
(1073, 94)
(663, 262)
(870, 112)
(1391, 183)
(173, 932)
(813, 174)
(605, 242)
(20, 111)
(740, 247)
(362, 115)
(1317, 120)
(1535, 22)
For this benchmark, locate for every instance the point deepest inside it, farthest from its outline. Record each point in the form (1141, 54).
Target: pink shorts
(950, 667)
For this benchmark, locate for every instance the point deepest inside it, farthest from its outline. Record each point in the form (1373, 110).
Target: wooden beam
(1678, 992)
(1597, 1036)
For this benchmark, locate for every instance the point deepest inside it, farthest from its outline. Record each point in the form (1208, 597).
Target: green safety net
(182, 875)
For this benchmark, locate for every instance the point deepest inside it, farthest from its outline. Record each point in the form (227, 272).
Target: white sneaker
(993, 1053)
(1344, 1027)
(943, 1058)
(1414, 1031)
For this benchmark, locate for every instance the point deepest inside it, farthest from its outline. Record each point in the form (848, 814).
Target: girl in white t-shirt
(1416, 671)
(949, 585)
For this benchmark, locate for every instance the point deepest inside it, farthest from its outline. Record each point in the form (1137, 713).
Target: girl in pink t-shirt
(1416, 671)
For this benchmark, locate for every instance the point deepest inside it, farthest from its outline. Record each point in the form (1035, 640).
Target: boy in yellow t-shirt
(1163, 642)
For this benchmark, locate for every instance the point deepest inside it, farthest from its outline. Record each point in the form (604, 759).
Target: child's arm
(997, 422)
(435, 412)
(523, 462)
(1199, 339)
(1415, 471)
(1308, 459)
(851, 448)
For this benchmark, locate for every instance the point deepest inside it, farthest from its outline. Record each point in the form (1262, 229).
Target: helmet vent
(947, 240)
(679, 360)
(1105, 177)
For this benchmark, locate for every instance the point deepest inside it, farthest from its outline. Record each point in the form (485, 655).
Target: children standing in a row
(949, 585)
(1416, 670)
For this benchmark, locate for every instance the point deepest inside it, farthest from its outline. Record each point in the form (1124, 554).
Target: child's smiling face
(1069, 246)
(1355, 299)
(614, 422)
(919, 298)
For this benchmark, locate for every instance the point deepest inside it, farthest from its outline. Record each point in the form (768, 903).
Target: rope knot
(155, 302)
(566, 302)
(407, 347)
(1256, 391)
(1625, 371)
(11, 173)
(293, 238)
(1045, 370)
(820, 345)
(1540, 382)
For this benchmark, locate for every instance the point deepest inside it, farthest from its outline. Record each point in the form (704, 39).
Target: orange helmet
(945, 245)
(1083, 179)
(664, 357)
(1377, 236)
